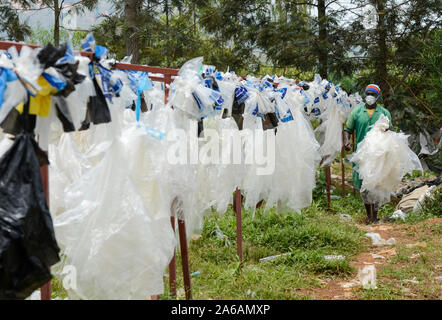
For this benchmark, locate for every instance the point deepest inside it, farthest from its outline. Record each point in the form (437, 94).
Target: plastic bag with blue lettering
(258, 99)
(382, 160)
(329, 133)
(139, 82)
(110, 86)
(127, 94)
(296, 160)
(282, 108)
(190, 95)
(6, 75)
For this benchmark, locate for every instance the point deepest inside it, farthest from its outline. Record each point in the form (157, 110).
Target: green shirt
(360, 121)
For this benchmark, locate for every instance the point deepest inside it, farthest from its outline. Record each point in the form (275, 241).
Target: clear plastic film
(330, 131)
(218, 181)
(382, 160)
(112, 207)
(297, 157)
(255, 185)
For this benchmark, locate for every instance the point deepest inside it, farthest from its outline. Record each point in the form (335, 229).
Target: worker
(361, 120)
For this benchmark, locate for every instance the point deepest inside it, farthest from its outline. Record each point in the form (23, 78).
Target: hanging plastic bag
(296, 159)
(330, 132)
(78, 100)
(27, 241)
(97, 108)
(119, 248)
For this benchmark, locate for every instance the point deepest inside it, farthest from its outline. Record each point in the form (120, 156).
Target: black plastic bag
(28, 247)
(71, 76)
(13, 122)
(49, 54)
(97, 109)
(64, 114)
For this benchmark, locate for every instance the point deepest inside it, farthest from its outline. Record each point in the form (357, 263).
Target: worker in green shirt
(361, 120)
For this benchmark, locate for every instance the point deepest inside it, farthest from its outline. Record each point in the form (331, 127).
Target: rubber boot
(368, 209)
(374, 217)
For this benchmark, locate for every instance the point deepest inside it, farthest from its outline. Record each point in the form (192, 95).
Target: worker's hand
(347, 143)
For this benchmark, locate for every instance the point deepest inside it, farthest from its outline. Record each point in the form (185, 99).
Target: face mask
(370, 100)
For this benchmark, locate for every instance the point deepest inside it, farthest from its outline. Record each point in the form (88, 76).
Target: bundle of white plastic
(331, 131)
(218, 179)
(382, 159)
(297, 157)
(257, 181)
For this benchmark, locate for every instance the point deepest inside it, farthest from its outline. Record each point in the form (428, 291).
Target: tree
(58, 6)
(393, 50)
(10, 24)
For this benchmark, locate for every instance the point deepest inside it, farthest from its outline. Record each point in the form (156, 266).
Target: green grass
(304, 238)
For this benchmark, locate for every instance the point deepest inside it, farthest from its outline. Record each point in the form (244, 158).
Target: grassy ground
(307, 238)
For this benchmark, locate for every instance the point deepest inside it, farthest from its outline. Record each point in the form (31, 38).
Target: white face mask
(370, 100)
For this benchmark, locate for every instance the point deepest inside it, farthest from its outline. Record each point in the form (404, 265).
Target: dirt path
(379, 256)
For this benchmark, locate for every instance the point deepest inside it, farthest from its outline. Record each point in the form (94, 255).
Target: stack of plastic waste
(382, 159)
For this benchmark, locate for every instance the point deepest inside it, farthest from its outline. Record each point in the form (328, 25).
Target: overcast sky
(46, 16)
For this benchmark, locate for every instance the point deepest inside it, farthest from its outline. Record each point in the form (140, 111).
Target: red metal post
(238, 223)
(167, 81)
(45, 290)
(172, 266)
(185, 259)
(343, 164)
(328, 180)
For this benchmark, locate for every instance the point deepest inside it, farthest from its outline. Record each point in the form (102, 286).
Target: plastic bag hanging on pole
(28, 247)
(139, 81)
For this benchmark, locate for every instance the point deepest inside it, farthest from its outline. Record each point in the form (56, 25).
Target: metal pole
(328, 180)
(238, 223)
(45, 290)
(343, 164)
(167, 81)
(185, 258)
(172, 266)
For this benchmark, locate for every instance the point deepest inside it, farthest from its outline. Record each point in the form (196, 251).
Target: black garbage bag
(49, 54)
(71, 76)
(28, 247)
(63, 114)
(97, 109)
(13, 122)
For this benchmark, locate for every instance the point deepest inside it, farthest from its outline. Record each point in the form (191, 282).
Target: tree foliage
(394, 43)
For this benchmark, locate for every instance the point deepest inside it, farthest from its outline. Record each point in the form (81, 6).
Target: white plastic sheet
(113, 225)
(297, 157)
(331, 131)
(382, 159)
